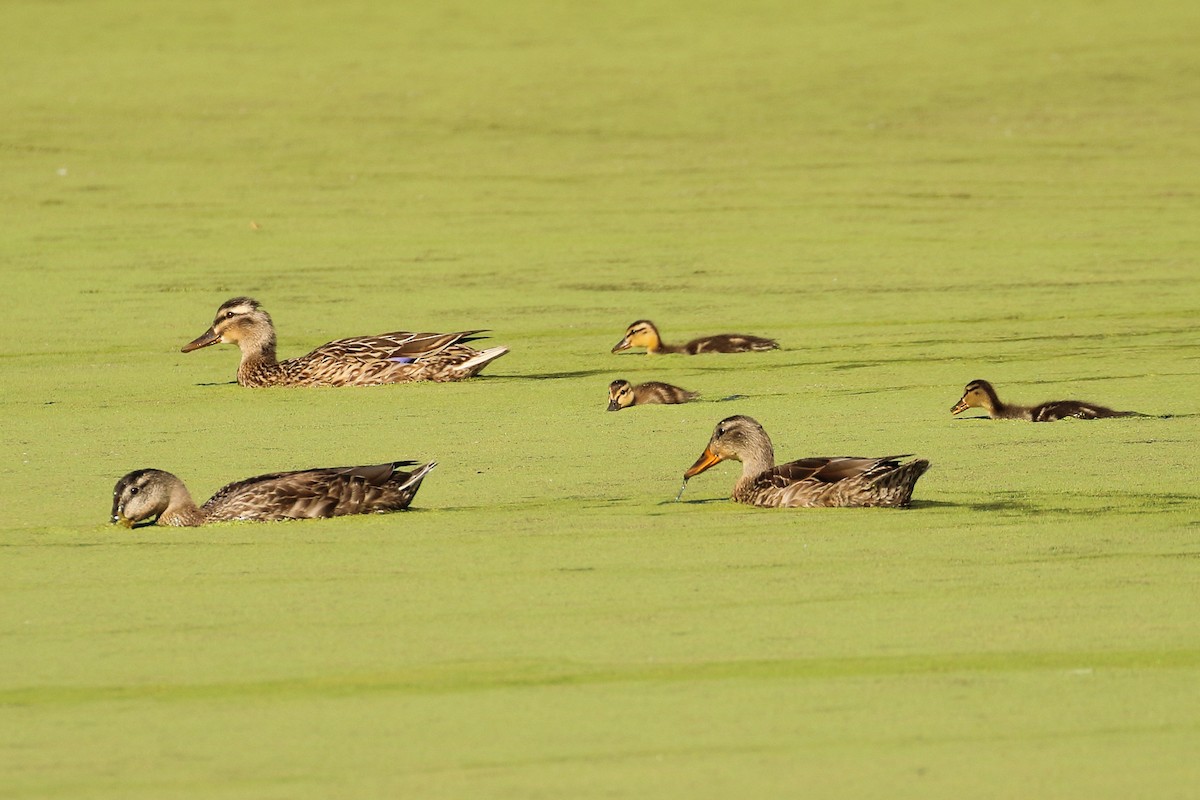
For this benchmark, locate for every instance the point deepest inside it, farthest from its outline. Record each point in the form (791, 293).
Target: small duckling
(304, 494)
(623, 394)
(980, 394)
(643, 333)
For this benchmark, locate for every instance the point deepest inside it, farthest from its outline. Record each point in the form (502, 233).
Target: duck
(159, 496)
(980, 394)
(644, 333)
(623, 394)
(397, 357)
(842, 481)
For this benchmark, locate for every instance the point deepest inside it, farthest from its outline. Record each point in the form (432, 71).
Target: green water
(907, 197)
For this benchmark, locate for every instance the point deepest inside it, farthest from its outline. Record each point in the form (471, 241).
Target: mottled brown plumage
(623, 394)
(643, 333)
(980, 394)
(304, 494)
(398, 357)
(808, 482)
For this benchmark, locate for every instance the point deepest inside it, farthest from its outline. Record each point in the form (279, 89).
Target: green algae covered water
(906, 197)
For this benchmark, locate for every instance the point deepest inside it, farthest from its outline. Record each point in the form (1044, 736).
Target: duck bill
(210, 336)
(122, 520)
(707, 459)
(960, 407)
(613, 405)
(621, 345)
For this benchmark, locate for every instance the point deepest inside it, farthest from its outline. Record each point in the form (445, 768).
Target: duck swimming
(980, 394)
(643, 333)
(843, 481)
(398, 357)
(304, 494)
(623, 394)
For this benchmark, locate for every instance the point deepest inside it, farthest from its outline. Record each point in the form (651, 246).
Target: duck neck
(182, 511)
(992, 404)
(755, 462)
(998, 409)
(258, 356)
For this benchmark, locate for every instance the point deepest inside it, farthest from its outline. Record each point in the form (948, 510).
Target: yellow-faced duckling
(623, 394)
(980, 394)
(643, 333)
(810, 482)
(398, 357)
(305, 494)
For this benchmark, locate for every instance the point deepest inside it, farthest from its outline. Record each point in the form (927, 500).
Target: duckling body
(304, 494)
(981, 394)
(644, 333)
(623, 394)
(844, 481)
(398, 357)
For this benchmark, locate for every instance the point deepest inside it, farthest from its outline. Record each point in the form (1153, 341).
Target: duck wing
(839, 481)
(313, 493)
(1061, 409)
(827, 469)
(399, 346)
(730, 343)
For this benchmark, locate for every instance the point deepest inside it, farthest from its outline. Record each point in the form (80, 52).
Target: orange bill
(707, 459)
(210, 336)
(961, 406)
(621, 345)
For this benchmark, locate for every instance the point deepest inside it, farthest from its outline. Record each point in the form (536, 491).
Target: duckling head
(143, 494)
(977, 394)
(640, 334)
(620, 395)
(739, 438)
(239, 321)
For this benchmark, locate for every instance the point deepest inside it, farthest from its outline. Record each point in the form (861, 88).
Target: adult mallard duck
(808, 482)
(305, 494)
(623, 394)
(643, 333)
(398, 357)
(980, 394)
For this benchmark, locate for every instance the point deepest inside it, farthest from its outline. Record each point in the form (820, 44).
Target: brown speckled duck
(643, 333)
(809, 482)
(623, 394)
(305, 494)
(980, 394)
(398, 357)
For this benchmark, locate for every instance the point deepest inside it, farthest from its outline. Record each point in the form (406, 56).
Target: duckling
(304, 494)
(398, 357)
(980, 394)
(643, 333)
(809, 482)
(622, 394)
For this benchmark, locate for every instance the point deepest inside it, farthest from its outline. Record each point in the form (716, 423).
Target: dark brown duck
(643, 333)
(980, 394)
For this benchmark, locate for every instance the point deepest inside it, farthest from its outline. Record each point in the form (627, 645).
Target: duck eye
(134, 490)
(228, 315)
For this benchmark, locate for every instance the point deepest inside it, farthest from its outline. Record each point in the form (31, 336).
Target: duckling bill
(159, 496)
(981, 394)
(842, 481)
(623, 394)
(397, 357)
(644, 333)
